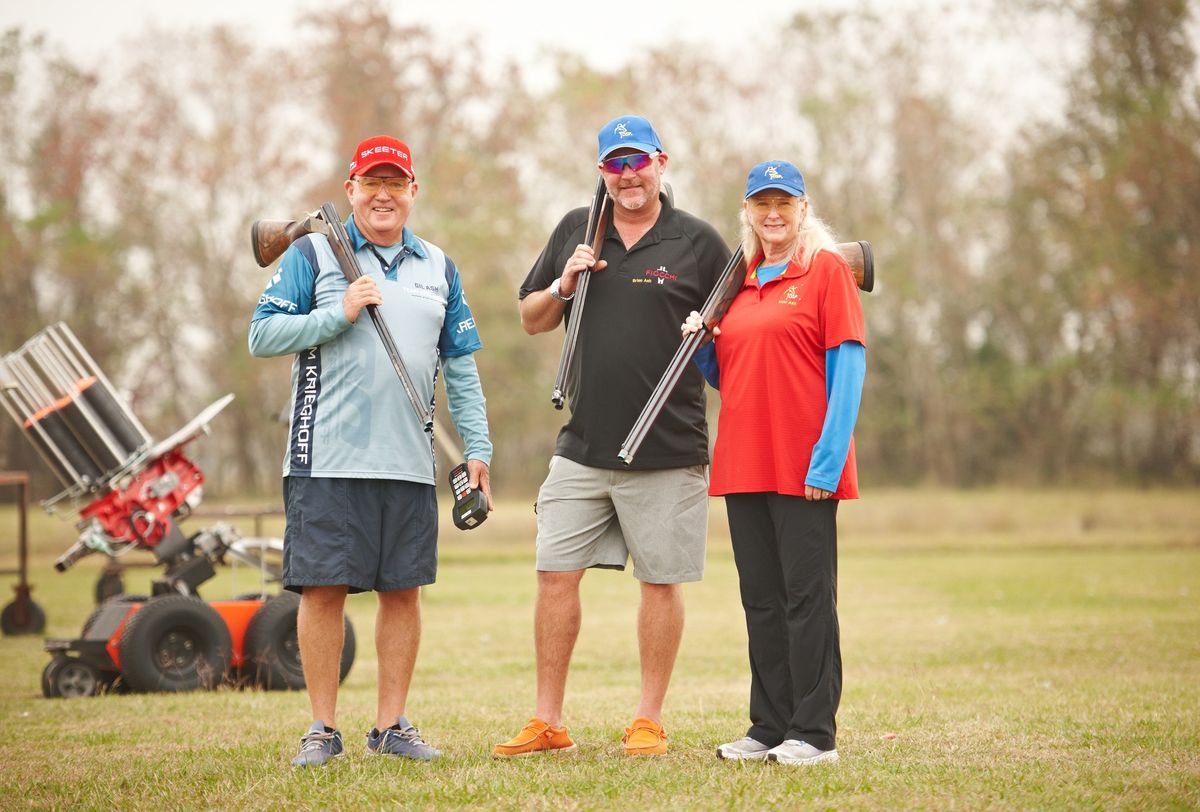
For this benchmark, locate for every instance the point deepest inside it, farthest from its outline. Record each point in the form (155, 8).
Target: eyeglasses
(783, 205)
(395, 186)
(637, 162)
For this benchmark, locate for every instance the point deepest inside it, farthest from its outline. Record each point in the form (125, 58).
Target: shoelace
(315, 741)
(409, 734)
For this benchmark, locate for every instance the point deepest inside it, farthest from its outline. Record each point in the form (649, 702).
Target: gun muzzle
(75, 552)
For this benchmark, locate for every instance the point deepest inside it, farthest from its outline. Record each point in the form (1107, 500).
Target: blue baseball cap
(634, 132)
(775, 175)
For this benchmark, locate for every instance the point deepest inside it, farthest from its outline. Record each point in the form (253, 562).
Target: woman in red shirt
(789, 357)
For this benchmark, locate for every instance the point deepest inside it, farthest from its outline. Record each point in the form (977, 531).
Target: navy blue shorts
(368, 534)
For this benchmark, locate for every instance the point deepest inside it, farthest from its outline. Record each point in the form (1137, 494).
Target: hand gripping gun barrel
(594, 236)
(857, 254)
(270, 238)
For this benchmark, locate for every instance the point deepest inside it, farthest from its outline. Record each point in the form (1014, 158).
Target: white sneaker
(793, 751)
(746, 749)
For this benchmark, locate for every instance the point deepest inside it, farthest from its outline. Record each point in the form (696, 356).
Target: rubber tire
(50, 676)
(71, 678)
(272, 649)
(35, 624)
(175, 621)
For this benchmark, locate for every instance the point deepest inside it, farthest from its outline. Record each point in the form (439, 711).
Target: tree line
(1035, 313)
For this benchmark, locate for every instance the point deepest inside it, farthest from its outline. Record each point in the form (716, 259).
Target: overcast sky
(518, 29)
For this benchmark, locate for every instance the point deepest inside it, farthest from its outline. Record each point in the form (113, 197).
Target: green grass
(1001, 650)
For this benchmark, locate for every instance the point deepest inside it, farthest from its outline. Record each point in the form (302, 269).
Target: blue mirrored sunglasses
(637, 162)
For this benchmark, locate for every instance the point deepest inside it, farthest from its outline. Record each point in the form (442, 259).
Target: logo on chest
(791, 296)
(421, 290)
(652, 276)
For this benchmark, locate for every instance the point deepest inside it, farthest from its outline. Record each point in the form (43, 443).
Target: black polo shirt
(629, 333)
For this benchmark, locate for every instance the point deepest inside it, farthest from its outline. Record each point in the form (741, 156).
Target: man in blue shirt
(359, 485)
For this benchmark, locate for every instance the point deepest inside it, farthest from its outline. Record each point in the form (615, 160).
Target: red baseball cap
(381, 149)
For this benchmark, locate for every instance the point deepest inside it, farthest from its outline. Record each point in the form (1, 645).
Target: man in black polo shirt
(656, 265)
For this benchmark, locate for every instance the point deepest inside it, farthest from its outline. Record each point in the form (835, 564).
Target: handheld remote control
(470, 505)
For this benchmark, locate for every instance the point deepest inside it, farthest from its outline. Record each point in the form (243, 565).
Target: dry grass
(1002, 650)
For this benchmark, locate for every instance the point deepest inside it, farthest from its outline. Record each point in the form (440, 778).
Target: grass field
(1001, 650)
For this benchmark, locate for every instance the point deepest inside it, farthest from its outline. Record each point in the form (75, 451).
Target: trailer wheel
(174, 643)
(273, 648)
(33, 622)
(70, 678)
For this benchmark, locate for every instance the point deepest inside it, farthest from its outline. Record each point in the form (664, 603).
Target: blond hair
(814, 236)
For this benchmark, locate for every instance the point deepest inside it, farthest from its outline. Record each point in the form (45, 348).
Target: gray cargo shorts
(598, 517)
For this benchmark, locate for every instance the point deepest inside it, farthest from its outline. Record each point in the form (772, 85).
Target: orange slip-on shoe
(536, 737)
(645, 737)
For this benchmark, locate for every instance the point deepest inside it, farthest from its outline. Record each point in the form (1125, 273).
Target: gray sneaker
(319, 745)
(401, 739)
(746, 749)
(794, 751)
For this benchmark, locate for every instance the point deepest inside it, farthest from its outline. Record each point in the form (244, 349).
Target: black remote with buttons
(470, 505)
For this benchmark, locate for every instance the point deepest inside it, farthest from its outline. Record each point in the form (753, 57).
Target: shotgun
(857, 254)
(593, 236)
(270, 238)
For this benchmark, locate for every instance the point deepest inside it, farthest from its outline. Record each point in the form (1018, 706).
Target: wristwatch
(554, 294)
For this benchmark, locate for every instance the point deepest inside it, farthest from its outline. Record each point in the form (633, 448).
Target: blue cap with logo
(633, 132)
(775, 175)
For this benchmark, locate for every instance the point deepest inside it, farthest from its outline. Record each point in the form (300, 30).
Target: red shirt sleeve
(841, 310)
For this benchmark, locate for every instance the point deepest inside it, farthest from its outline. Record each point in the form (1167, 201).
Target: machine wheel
(174, 643)
(273, 650)
(33, 623)
(71, 678)
(50, 677)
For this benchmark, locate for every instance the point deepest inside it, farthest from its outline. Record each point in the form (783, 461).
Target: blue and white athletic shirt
(350, 416)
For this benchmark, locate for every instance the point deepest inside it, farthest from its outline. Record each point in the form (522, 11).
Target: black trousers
(785, 548)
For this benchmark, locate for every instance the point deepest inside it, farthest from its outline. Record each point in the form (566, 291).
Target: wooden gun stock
(861, 261)
(270, 238)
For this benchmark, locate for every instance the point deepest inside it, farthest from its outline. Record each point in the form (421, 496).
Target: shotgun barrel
(858, 256)
(270, 238)
(593, 236)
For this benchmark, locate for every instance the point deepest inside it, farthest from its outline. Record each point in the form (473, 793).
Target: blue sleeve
(706, 359)
(284, 321)
(468, 409)
(845, 369)
(459, 334)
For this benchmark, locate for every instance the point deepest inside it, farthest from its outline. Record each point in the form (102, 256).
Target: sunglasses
(637, 162)
(370, 185)
(784, 205)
